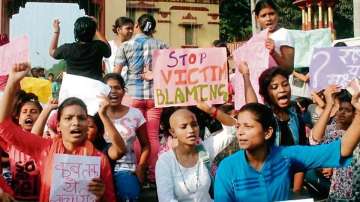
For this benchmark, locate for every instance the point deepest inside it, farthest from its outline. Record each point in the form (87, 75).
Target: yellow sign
(40, 87)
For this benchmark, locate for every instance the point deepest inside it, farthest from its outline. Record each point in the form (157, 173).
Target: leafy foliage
(58, 68)
(235, 18)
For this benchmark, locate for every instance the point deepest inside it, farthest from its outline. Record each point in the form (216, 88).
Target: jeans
(152, 116)
(127, 186)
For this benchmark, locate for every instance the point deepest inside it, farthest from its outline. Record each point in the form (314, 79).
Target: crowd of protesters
(283, 149)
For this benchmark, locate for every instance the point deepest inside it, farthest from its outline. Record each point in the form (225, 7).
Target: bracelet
(214, 114)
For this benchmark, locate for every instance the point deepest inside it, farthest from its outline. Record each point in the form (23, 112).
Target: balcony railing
(183, 1)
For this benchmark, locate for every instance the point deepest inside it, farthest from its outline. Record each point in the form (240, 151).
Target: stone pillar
(321, 23)
(309, 18)
(356, 18)
(113, 10)
(304, 19)
(331, 21)
(4, 18)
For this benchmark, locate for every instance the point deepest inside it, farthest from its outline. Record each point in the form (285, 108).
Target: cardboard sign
(306, 41)
(40, 87)
(84, 88)
(71, 177)
(17, 51)
(338, 65)
(183, 76)
(258, 59)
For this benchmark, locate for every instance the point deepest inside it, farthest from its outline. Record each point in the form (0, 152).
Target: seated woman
(73, 126)
(83, 57)
(262, 171)
(183, 172)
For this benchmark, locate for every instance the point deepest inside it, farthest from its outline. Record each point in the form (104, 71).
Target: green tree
(343, 19)
(235, 18)
(58, 68)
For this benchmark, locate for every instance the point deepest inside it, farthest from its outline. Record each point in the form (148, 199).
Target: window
(131, 14)
(189, 35)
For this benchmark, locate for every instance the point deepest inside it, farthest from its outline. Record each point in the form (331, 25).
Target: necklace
(183, 178)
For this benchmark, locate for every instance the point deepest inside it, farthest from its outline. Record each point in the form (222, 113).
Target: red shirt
(42, 151)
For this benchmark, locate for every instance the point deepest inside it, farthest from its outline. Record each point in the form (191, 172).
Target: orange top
(42, 151)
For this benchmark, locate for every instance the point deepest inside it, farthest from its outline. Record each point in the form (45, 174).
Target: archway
(10, 7)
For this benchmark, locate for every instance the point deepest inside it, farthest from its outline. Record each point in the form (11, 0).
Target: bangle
(214, 114)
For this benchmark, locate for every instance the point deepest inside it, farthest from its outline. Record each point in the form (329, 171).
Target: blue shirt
(136, 54)
(236, 180)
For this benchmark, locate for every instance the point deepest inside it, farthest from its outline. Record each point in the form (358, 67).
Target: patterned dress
(341, 188)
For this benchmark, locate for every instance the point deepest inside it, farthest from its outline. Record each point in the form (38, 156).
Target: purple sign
(338, 66)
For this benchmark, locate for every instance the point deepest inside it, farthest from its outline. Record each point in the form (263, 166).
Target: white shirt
(281, 37)
(127, 126)
(110, 62)
(171, 177)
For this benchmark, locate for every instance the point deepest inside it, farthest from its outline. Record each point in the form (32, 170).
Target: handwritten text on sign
(338, 66)
(71, 176)
(16, 51)
(183, 76)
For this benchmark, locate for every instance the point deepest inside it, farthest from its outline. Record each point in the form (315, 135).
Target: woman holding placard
(73, 126)
(279, 43)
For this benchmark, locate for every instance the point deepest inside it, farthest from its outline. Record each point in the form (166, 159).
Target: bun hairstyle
(121, 21)
(261, 4)
(147, 24)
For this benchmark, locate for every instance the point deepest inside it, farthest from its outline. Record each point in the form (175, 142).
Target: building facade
(181, 23)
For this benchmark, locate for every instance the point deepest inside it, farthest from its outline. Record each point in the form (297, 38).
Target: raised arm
(215, 113)
(40, 123)
(318, 131)
(352, 135)
(9, 131)
(117, 148)
(302, 77)
(285, 58)
(18, 72)
(55, 38)
(145, 152)
(250, 95)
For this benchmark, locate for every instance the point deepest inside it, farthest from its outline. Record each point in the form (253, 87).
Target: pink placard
(254, 53)
(16, 51)
(183, 76)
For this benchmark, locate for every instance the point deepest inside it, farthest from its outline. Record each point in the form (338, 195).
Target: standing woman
(279, 42)
(84, 56)
(136, 54)
(73, 126)
(123, 30)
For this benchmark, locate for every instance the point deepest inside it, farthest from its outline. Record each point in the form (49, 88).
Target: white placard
(71, 177)
(88, 90)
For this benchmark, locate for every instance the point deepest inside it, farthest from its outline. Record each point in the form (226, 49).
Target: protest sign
(88, 90)
(258, 59)
(338, 65)
(40, 87)
(183, 76)
(306, 41)
(16, 51)
(71, 177)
